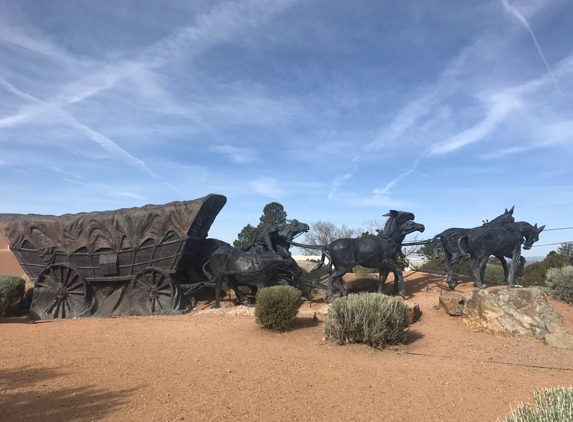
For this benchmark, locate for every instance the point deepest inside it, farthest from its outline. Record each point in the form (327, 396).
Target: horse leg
(521, 266)
(515, 258)
(335, 279)
(448, 267)
(382, 279)
(479, 270)
(503, 263)
(241, 297)
(392, 266)
(218, 284)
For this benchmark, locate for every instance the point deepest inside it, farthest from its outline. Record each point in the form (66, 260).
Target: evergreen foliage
(369, 318)
(277, 306)
(560, 283)
(494, 274)
(273, 213)
(12, 290)
(534, 274)
(551, 405)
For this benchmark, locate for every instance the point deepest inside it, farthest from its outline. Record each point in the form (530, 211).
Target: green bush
(560, 283)
(360, 270)
(370, 318)
(12, 290)
(534, 274)
(551, 405)
(494, 274)
(277, 306)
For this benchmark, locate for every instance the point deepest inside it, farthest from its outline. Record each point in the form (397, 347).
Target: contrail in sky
(509, 8)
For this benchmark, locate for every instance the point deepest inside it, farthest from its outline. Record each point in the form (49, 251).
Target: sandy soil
(218, 366)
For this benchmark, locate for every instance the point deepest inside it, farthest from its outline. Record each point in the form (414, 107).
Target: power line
(561, 228)
(550, 244)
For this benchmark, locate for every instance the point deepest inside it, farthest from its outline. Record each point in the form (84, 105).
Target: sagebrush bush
(12, 290)
(494, 274)
(551, 405)
(277, 306)
(360, 270)
(560, 283)
(370, 318)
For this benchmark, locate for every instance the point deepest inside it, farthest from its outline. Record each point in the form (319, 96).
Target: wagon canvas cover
(120, 229)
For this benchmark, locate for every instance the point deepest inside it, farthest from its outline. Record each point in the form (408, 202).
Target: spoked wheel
(153, 292)
(60, 292)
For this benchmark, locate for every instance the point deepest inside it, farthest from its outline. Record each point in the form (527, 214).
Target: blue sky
(338, 110)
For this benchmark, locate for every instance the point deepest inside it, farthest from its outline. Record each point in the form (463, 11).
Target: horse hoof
(215, 307)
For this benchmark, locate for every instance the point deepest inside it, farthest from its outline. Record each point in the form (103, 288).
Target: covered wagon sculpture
(136, 261)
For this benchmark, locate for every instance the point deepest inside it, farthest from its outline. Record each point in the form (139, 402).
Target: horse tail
(207, 274)
(463, 244)
(321, 263)
(435, 249)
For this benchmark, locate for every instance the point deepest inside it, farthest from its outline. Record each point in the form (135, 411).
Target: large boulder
(522, 311)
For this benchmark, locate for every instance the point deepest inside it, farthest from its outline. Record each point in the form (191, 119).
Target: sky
(338, 110)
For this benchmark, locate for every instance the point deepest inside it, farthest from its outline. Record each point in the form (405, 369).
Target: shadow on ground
(24, 398)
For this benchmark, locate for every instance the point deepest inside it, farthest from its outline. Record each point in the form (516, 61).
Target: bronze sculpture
(449, 241)
(126, 262)
(482, 242)
(371, 252)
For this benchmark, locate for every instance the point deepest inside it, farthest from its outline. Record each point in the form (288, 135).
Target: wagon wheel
(60, 292)
(153, 292)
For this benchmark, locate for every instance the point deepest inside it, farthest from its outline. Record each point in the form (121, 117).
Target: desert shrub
(534, 274)
(360, 270)
(560, 283)
(369, 318)
(11, 294)
(494, 274)
(551, 405)
(277, 306)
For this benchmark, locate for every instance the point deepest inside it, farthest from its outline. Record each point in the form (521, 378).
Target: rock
(560, 339)
(413, 311)
(453, 303)
(522, 311)
(320, 314)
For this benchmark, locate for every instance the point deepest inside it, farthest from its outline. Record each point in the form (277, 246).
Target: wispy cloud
(220, 24)
(102, 140)
(511, 9)
(131, 195)
(67, 173)
(337, 182)
(498, 154)
(236, 154)
(268, 187)
(498, 108)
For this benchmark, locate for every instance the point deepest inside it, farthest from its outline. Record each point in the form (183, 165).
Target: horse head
(395, 220)
(410, 227)
(531, 236)
(501, 220)
(293, 229)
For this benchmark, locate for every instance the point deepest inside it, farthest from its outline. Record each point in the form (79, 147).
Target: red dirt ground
(215, 367)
